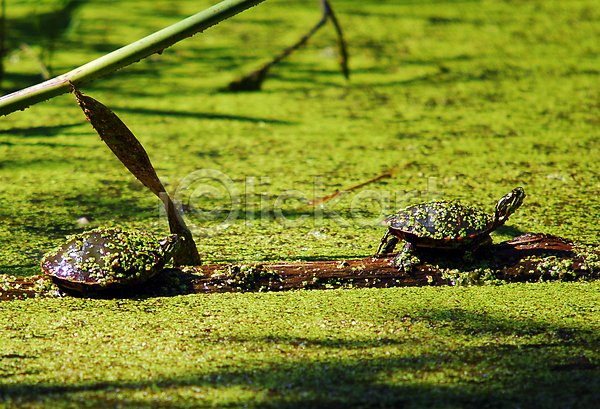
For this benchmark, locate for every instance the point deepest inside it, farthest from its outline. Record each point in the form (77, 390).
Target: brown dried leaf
(132, 154)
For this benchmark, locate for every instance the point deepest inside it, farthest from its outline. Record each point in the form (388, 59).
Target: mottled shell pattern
(441, 221)
(453, 221)
(103, 257)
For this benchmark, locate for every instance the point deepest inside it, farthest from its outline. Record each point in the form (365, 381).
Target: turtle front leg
(389, 244)
(405, 259)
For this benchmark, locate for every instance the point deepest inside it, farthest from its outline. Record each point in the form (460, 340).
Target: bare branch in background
(254, 80)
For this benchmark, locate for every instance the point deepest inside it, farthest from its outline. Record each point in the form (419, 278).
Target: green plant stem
(154, 43)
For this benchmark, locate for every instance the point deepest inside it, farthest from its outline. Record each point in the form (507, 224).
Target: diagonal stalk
(254, 80)
(154, 43)
(341, 42)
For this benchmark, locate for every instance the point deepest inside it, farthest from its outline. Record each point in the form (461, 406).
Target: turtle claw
(402, 265)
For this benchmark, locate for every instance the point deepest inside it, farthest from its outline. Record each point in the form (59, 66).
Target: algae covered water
(464, 100)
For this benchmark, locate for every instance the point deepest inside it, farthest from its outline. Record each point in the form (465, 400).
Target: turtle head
(508, 205)
(170, 245)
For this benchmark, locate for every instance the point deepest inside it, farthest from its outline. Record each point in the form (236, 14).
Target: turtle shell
(441, 224)
(104, 258)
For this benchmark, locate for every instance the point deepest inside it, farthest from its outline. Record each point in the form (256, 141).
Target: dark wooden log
(531, 257)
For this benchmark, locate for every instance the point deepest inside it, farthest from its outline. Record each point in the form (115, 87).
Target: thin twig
(254, 80)
(38, 61)
(387, 174)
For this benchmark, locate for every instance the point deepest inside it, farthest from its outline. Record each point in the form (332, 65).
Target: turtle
(108, 258)
(445, 225)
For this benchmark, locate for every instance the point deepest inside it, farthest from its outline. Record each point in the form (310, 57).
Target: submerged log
(531, 257)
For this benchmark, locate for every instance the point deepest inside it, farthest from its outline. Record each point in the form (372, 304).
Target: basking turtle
(445, 225)
(108, 258)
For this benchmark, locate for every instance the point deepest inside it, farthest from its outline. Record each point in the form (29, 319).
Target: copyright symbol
(205, 194)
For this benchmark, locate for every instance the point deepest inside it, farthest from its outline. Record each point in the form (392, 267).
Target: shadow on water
(115, 203)
(510, 231)
(40, 131)
(47, 144)
(199, 115)
(493, 375)
(444, 76)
